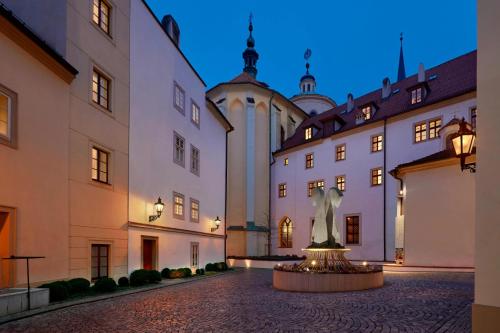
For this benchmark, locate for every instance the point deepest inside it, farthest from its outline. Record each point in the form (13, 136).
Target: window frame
(192, 169)
(101, 75)
(372, 176)
(377, 143)
(285, 161)
(182, 162)
(11, 138)
(314, 184)
(194, 261)
(99, 246)
(193, 107)
(435, 128)
(308, 133)
(100, 150)
(346, 217)
(181, 109)
(99, 23)
(282, 190)
(175, 204)
(309, 160)
(343, 182)
(288, 242)
(342, 145)
(191, 202)
(424, 131)
(473, 117)
(418, 98)
(367, 112)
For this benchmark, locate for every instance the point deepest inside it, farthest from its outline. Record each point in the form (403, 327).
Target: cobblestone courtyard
(244, 301)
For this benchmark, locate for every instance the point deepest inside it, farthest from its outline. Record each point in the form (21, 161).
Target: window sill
(103, 33)
(107, 112)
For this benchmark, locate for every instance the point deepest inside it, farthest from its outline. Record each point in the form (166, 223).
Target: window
(100, 89)
(377, 143)
(178, 206)
(340, 181)
(434, 126)
(376, 176)
(179, 98)
(285, 233)
(420, 132)
(285, 161)
(195, 114)
(308, 133)
(101, 13)
(195, 210)
(367, 112)
(99, 261)
(312, 185)
(100, 165)
(195, 254)
(340, 152)
(416, 96)
(8, 101)
(282, 190)
(352, 230)
(179, 148)
(309, 161)
(473, 114)
(195, 160)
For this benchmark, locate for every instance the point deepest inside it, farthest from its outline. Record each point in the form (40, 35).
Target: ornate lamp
(158, 207)
(216, 223)
(463, 142)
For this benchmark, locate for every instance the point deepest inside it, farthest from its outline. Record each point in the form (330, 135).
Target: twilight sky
(355, 44)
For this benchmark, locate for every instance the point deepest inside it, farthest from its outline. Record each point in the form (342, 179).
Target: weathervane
(307, 55)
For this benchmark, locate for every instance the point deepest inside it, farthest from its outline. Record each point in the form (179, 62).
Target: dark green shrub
(78, 285)
(176, 273)
(165, 273)
(139, 277)
(187, 272)
(154, 276)
(224, 266)
(123, 281)
(209, 267)
(58, 290)
(105, 285)
(200, 271)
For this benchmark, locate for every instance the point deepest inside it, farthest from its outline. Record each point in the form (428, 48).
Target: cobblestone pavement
(245, 301)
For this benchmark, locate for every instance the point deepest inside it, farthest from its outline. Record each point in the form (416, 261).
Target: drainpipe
(225, 204)
(270, 164)
(385, 186)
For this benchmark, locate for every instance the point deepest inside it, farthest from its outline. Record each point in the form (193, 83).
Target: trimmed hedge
(141, 277)
(180, 273)
(123, 281)
(216, 267)
(105, 285)
(154, 276)
(78, 285)
(58, 290)
(200, 271)
(165, 273)
(210, 267)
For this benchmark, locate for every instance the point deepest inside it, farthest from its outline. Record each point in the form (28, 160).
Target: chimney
(421, 73)
(386, 88)
(350, 102)
(171, 28)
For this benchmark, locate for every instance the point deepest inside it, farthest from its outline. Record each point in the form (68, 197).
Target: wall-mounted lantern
(216, 223)
(463, 142)
(158, 207)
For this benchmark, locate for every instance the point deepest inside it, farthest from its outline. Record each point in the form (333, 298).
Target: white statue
(326, 231)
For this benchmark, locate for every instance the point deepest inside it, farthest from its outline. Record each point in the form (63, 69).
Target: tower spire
(401, 68)
(250, 55)
(307, 82)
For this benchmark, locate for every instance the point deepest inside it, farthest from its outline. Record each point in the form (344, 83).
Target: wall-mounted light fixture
(158, 207)
(463, 142)
(216, 223)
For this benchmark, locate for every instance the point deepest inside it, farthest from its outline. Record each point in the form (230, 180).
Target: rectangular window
(282, 190)
(434, 126)
(195, 114)
(178, 206)
(99, 261)
(473, 113)
(195, 210)
(312, 185)
(100, 165)
(352, 230)
(309, 161)
(195, 254)
(8, 105)
(340, 152)
(367, 112)
(195, 160)
(179, 97)
(376, 176)
(285, 161)
(308, 133)
(179, 148)
(421, 132)
(377, 143)
(340, 181)
(100, 89)
(416, 96)
(101, 14)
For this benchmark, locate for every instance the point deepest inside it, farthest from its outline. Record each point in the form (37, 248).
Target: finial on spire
(401, 67)
(307, 55)
(250, 56)
(250, 25)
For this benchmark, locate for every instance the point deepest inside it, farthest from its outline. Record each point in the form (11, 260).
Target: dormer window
(367, 112)
(309, 133)
(416, 95)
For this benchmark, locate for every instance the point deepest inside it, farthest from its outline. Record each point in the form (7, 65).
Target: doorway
(7, 232)
(149, 252)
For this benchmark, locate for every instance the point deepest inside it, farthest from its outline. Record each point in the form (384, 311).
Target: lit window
(285, 234)
(101, 13)
(100, 165)
(340, 181)
(352, 229)
(285, 161)
(178, 206)
(195, 114)
(195, 160)
(434, 126)
(100, 89)
(473, 114)
(308, 133)
(179, 148)
(309, 161)
(312, 185)
(416, 96)
(420, 132)
(99, 261)
(377, 143)
(195, 210)
(367, 112)
(179, 97)
(376, 176)
(8, 101)
(340, 152)
(282, 190)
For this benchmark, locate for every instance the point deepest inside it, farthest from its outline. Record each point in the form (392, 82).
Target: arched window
(285, 233)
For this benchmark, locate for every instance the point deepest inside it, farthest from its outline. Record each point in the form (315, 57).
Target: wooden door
(148, 248)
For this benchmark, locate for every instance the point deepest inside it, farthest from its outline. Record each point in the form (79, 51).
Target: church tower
(250, 55)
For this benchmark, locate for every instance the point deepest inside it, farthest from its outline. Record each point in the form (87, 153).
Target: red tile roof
(452, 78)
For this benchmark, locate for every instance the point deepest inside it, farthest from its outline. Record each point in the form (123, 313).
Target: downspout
(225, 203)
(385, 186)
(269, 183)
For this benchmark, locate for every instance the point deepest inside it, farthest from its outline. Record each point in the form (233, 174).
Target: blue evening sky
(355, 44)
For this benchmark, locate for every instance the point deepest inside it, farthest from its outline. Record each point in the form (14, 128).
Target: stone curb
(92, 299)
